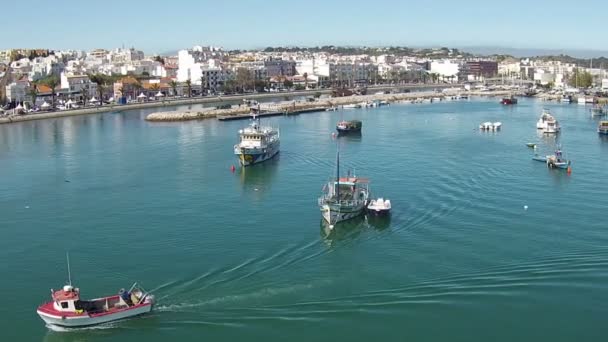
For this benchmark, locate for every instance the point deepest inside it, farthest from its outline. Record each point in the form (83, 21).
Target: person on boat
(126, 296)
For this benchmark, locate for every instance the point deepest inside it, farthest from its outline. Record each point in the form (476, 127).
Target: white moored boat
(490, 126)
(343, 198)
(379, 207)
(547, 123)
(257, 143)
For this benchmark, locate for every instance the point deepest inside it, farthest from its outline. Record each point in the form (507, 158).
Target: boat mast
(67, 256)
(338, 174)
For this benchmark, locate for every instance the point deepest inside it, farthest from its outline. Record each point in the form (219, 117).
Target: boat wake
(239, 298)
(104, 326)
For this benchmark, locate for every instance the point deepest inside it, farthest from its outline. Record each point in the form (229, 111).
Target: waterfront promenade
(207, 100)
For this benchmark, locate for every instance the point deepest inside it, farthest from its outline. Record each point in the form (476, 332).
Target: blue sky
(159, 26)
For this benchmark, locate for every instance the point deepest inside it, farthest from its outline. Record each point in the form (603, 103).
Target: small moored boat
(602, 128)
(345, 127)
(379, 207)
(531, 145)
(490, 126)
(511, 100)
(598, 110)
(343, 198)
(554, 161)
(547, 123)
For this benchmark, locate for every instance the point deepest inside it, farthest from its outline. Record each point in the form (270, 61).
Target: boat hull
(379, 212)
(348, 131)
(248, 157)
(333, 214)
(85, 320)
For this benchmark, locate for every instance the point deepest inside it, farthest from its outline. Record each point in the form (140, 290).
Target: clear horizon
(157, 28)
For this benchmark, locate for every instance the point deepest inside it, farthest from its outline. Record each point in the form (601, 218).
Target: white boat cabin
(65, 299)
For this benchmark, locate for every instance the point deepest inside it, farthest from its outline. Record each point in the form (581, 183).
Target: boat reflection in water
(258, 177)
(352, 229)
(345, 230)
(353, 136)
(378, 222)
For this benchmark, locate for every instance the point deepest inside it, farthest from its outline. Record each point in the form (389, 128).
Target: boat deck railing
(352, 203)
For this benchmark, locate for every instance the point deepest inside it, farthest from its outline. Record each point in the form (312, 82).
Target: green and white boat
(343, 198)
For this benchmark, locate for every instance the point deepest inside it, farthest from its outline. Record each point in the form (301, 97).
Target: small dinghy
(555, 161)
(379, 207)
(531, 145)
(539, 158)
(490, 126)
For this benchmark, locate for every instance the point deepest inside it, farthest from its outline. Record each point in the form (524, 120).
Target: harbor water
(244, 255)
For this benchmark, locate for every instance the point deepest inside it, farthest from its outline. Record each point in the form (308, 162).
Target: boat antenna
(67, 256)
(338, 174)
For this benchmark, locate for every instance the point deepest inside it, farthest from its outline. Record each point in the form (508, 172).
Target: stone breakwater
(295, 106)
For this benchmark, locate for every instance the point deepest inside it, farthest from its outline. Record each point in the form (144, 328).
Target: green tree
(33, 93)
(305, 80)
(84, 92)
(287, 83)
(173, 85)
(102, 82)
(243, 77)
(581, 79)
(189, 87)
(203, 84)
(317, 94)
(52, 82)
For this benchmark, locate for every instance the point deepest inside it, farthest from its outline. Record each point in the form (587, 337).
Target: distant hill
(526, 52)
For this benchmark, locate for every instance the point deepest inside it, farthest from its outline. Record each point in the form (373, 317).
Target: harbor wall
(202, 100)
(292, 107)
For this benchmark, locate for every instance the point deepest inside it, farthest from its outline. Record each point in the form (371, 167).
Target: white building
(446, 69)
(543, 77)
(17, 91)
(605, 84)
(125, 55)
(78, 84)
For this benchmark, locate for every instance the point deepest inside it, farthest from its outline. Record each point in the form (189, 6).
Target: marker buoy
(232, 168)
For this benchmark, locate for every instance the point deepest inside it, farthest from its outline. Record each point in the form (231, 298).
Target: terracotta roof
(128, 80)
(43, 88)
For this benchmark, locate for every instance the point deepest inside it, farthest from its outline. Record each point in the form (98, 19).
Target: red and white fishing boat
(67, 309)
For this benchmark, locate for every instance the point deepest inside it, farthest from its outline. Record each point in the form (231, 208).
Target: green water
(244, 256)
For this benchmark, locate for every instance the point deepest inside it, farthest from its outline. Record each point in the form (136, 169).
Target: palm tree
(85, 93)
(189, 87)
(203, 84)
(33, 93)
(305, 80)
(52, 82)
(173, 85)
(100, 89)
(137, 88)
(101, 82)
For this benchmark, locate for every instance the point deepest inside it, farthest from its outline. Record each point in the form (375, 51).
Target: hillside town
(39, 79)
